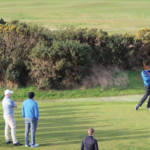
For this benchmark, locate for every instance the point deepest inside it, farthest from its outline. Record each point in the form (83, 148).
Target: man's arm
(82, 146)
(12, 103)
(96, 145)
(36, 110)
(15, 105)
(23, 113)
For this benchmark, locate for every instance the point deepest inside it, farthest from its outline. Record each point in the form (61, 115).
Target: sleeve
(96, 145)
(82, 145)
(12, 103)
(23, 112)
(36, 111)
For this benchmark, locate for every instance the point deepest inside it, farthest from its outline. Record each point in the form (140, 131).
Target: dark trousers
(147, 93)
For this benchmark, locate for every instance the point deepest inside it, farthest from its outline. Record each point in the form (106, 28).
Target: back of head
(31, 94)
(90, 131)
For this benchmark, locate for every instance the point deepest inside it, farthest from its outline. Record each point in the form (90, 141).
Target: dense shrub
(2, 21)
(64, 64)
(16, 43)
(124, 50)
(106, 77)
(64, 58)
(116, 49)
(143, 34)
(17, 72)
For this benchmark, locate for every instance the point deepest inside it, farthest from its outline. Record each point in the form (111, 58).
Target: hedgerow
(60, 59)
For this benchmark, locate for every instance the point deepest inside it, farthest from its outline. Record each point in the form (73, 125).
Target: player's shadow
(68, 124)
(75, 136)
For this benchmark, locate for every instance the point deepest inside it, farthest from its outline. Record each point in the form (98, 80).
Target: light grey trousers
(30, 126)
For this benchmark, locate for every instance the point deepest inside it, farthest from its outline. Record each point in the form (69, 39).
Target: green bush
(124, 51)
(17, 41)
(17, 72)
(63, 64)
(63, 58)
(2, 21)
(143, 34)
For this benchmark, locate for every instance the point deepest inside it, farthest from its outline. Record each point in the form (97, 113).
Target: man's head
(31, 94)
(8, 93)
(90, 131)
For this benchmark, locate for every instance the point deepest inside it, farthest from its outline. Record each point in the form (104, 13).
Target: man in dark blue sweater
(89, 143)
(146, 78)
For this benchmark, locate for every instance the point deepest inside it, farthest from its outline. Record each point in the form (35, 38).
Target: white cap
(8, 92)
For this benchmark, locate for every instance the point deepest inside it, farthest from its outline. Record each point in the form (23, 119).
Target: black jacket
(89, 143)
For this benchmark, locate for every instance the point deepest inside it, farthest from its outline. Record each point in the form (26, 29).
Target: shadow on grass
(68, 124)
(62, 138)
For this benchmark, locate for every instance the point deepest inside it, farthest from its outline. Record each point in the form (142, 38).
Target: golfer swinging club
(146, 78)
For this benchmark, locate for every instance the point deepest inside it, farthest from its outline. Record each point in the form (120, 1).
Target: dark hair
(31, 94)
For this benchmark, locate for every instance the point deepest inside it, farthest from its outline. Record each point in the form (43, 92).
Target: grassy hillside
(62, 125)
(110, 15)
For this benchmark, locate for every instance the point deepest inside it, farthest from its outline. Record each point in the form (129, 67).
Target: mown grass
(135, 86)
(63, 124)
(110, 15)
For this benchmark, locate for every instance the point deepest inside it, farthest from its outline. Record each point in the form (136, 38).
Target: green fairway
(110, 15)
(63, 124)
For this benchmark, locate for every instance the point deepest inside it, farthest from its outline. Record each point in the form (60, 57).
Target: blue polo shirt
(146, 77)
(30, 109)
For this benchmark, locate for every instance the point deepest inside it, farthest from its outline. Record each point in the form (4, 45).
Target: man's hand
(15, 106)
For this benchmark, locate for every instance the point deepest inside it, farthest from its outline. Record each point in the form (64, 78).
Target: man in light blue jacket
(146, 78)
(30, 112)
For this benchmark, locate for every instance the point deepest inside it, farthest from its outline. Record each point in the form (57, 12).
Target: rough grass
(110, 15)
(63, 124)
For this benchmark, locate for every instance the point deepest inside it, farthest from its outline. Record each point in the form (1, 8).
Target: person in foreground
(146, 78)
(8, 114)
(89, 143)
(30, 112)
